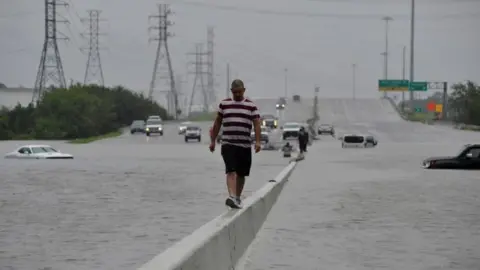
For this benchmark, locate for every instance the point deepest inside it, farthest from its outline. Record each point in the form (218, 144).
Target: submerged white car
(37, 152)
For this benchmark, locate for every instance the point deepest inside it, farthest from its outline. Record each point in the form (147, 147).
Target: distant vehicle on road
(269, 120)
(182, 127)
(219, 136)
(193, 133)
(154, 117)
(281, 103)
(326, 129)
(263, 135)
(358, 140)
(137, 126)
(41, 151)
(296, 98)
(291, 130)
(468, 158)
(154, 126)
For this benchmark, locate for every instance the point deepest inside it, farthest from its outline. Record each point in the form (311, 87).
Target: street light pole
(353, 80)
(387, 19)
(412, 50)
(403, 75)
(227, 94)
(286, 83)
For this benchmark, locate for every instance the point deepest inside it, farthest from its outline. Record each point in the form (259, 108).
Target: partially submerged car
(326, 129)
(291, 130)
(281, 103)
(41, 151)
(137, 126)
(468, 158)
(269, 120)
(358, 140)
(263, 135)
(193, 133)
(182, 127)
(154, 126)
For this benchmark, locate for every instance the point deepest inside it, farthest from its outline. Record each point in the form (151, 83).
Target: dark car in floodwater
(468, 158)
(137, 126)
(269, 120)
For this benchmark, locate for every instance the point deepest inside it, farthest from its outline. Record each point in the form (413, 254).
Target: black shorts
(237, 159)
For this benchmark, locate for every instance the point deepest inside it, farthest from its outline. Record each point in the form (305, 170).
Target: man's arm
(216, 127)
(256, 124)
(258, 130)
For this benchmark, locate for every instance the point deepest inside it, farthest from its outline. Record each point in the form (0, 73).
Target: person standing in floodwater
(236, 116)
(302, 140)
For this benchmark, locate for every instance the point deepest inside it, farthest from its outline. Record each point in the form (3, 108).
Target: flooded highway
(119, 203)
(375, 208)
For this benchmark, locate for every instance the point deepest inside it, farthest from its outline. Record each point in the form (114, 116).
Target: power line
(162, 36)
(317, 15)
(93, 70)
(50, 71)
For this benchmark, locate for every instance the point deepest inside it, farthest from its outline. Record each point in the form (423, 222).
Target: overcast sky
(317, 40)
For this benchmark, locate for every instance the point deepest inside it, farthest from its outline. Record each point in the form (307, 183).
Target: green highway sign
(393, 85)
(401, 85)
(418, 86)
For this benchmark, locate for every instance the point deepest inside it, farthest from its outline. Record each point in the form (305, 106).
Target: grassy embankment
(96, 138)
(201, 117)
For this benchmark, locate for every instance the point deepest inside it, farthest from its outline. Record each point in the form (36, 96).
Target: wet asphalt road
(115, 206)
(375, 208)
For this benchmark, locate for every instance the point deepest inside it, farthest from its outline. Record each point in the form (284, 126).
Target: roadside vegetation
(463, 106)
(82, 113)
(202, 116)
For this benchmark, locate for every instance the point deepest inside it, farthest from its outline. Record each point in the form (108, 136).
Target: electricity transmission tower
(50, 70)
(93, 70)
(210, 67)
(162, 35)
(199, 73)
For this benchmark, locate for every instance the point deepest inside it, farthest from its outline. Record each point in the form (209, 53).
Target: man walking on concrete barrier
(236, 116)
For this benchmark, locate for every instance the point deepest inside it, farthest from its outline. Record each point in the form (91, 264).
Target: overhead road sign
(393, 85)
(402, 85)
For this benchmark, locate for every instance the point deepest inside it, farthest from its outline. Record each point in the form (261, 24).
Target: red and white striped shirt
(237, 121)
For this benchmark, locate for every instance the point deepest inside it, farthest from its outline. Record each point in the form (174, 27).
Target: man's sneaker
(232, 203)
(239, 202)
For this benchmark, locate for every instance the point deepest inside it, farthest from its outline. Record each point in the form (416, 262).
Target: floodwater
(118, 204)
(374, 208)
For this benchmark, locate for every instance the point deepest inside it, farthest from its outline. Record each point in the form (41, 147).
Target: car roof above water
(35, 145)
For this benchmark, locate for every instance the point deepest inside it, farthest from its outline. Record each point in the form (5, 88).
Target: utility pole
(210, 66)
(286, 83)
(162, 35)
(387, 19)
(179, 84)
(315, 104)
(354, 66)
(50, 70)
(403, 74)
(228, 82)
(412, 51)
(93, 71)
(199, 74)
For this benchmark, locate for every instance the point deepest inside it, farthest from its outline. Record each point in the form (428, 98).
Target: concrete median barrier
(221, 243)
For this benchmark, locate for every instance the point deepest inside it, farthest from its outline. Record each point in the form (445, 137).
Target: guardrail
(221, 243)
(392, 102)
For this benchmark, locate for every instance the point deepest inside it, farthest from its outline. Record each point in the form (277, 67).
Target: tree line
(80, 111)
(463, 103)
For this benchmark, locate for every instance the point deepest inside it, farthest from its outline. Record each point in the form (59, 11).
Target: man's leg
(244, 159)
(228, 156)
